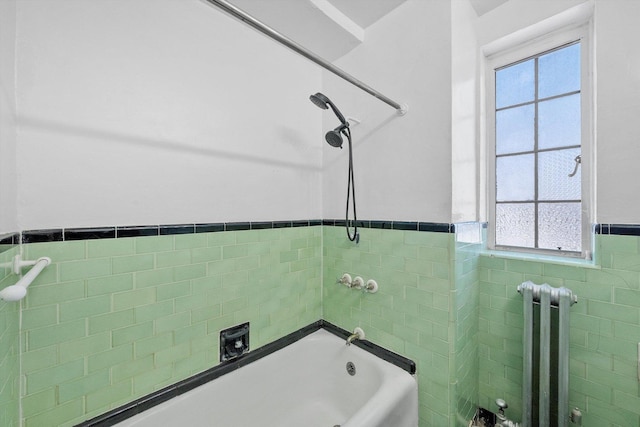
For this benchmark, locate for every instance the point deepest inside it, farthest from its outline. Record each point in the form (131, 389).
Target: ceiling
(330, 28)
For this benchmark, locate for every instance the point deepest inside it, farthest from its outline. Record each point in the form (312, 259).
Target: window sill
(550, 259)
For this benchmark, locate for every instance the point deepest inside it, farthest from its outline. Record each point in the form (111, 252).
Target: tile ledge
(522, 256)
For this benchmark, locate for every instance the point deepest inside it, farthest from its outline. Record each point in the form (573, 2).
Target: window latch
(578, 160)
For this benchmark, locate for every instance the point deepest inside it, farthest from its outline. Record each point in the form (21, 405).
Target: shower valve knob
(345, 279)
(371, 286)
(358, 282)
(502, 405)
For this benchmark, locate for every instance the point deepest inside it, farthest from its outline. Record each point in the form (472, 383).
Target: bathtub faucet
(358, 334)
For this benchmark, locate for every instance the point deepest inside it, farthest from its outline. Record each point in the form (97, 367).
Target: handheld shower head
(321, 101)
(334, 138)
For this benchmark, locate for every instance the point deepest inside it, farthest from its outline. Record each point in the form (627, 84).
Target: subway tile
(152, 380)
(74, 270)
(173, 258)
(109, 284)
(57, 251)
(109, 321)
(40, 236)
(147, 346)
(38, 402)
(132, 333)
(127, 370)
(55, 334)
(117, 392)
(627, 297)
(173, 290)
(145, 313)
(132, 263)
(84, 308)
(137, 231)
(35, 360)
(92, 344)
(189, 272)
(147, 245)
(190, 241)
(172, 354)
(613, 311)
(209, 227)
(102, 248)
(39, 316)
(156, 277)
(172, 322)
(58, 415)
(109, 358)
(80, 387)
(50, 377)
(235, 251)
(629, 402)
(124, 300)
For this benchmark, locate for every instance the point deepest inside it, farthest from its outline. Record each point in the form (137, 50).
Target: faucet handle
(371, 286)
(345, 279)
(358, 282)
(502, 405)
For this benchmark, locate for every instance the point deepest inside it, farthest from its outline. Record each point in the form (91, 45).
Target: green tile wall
(410, 314)
(465, 312)
(114, 319)
(111, 320)
(9, 348)
(605, 331)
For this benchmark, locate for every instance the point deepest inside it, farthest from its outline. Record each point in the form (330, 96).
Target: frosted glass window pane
(515, 224)
(515, 178)
(559, 122)
(559, 226)
(514, 129)
(559, 72)
(515, 84)
(554, 182)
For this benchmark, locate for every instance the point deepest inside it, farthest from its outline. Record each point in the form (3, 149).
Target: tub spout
(358, 334)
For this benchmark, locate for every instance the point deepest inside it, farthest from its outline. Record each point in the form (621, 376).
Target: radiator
(546, 296)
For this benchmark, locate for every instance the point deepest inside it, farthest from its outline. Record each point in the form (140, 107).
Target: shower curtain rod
(265, 29)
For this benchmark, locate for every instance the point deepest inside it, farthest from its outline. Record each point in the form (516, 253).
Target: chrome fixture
(358, 334)
(371, 286)
(358, 283)
(265, 29)
(334, 138)
(501, 419)
(345, 279)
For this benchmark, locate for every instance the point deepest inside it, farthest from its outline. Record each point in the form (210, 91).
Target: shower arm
(265, 29)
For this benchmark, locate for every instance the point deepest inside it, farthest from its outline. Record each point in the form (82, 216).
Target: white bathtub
(303, 384)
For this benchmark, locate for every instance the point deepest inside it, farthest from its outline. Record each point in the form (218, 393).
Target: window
(538, 124)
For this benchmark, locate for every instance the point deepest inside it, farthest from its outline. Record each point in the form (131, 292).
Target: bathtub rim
(164, 394)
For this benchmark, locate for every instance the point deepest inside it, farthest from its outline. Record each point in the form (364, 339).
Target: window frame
(519, 52)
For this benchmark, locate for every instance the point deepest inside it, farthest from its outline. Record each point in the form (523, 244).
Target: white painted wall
(617, 93)
(464, 113)
(8, 210)
(160, 111)
(618, 110)
(402, 164)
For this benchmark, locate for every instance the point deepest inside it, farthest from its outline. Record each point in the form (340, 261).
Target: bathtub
(304, 384)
